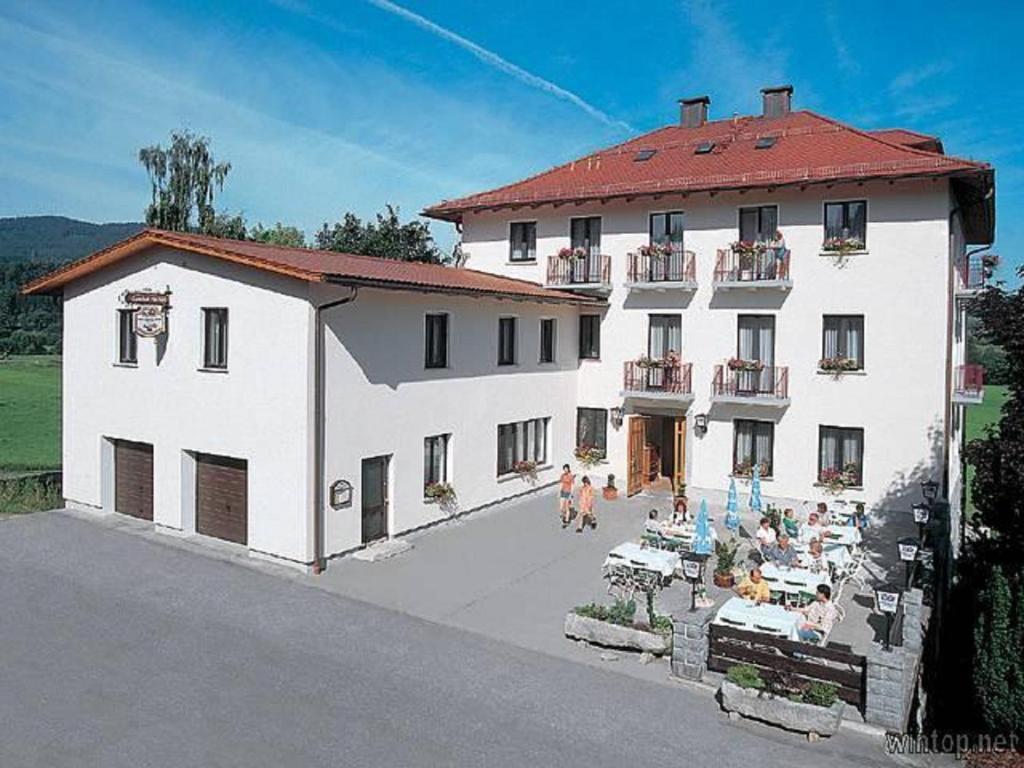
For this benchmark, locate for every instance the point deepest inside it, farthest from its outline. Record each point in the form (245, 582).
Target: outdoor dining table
(686, 531)
(793, 580)
(837, 555)
(632, 555)
(847, 535)
(764, 617)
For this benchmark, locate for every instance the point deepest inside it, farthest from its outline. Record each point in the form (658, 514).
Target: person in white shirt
(813, 529)
(814, 560)
(821, 616)
(765, 535)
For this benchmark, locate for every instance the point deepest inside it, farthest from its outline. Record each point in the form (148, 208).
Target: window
(585, 233)
(522, 441)
(759, 224)
(667, 228)
(436, 341)
(522, 237)
(507, 341)
(841, 450)
(215, 338)
(753, 445)
(127, 342)
(435, 460)
(592, 428)
(547, 340)
(590, 337)
(664, 335)
(847, 221)
(843, 337)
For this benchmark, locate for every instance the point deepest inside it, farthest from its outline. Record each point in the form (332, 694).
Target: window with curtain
(753, 444)
(847, 220)
(127, 343)
(664, 335)
(759, 223)
(215, 334)
(547, 340)
(507, 341)
(436, 341)
(585, 233)
(841, 449)
(435, 460)
(522, 241)
(667, 228)
(590, 337)
(843, 336)
(522, 441)
(592, 428)
(756, 338)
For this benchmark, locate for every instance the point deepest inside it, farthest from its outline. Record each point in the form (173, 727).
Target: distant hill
(56, 239)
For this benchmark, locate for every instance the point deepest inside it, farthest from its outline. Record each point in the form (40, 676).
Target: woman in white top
(765, 535)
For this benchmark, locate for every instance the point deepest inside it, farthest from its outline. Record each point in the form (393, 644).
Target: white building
(298, 402)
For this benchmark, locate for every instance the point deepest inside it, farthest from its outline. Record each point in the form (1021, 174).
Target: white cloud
(912, 78)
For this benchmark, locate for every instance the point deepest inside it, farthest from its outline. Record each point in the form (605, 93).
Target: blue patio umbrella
(703, 544)
(732, 518)
(755, 490)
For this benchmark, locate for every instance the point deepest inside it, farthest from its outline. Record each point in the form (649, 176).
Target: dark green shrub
(820, 694)
(745, 676)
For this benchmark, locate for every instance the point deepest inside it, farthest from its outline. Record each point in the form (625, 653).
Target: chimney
(693, 113)
(777, 100)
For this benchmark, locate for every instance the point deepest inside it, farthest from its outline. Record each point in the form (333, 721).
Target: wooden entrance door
(133, 479)
(375, 498)
(222, 498)
(679, 450)
(635, 454)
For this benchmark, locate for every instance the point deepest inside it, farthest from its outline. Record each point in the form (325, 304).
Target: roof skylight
(704, 148)
(644, 154)
(766, 142)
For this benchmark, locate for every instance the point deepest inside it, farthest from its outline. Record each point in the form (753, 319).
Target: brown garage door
(221, 497)
(133, 479)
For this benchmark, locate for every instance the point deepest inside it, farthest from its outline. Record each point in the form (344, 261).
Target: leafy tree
(185, 178)
(998, 667)
(387, 238)
(291, 237)
(991, 356)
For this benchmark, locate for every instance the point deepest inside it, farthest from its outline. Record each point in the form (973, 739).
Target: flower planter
(791, 715)
(724, 580)
(610, 635)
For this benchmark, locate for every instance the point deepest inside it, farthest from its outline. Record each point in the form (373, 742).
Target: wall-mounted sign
(150, 315)
(341, 494)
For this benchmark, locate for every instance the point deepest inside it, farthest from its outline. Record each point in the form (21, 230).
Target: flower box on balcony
(739, 364)
(838, 365)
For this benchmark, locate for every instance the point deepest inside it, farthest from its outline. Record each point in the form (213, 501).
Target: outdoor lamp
(617, 413)
(887, 601)
(693, 570)
(700, 423)
(908, 548)
(930, 490)
(921, 515)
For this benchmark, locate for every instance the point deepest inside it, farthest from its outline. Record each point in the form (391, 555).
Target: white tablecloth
(793, 580)
(837, 555)
(847, 535)
(770, 619)
(635, 556)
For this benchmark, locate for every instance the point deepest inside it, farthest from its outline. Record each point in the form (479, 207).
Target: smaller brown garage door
(222, 497)
(133, 479)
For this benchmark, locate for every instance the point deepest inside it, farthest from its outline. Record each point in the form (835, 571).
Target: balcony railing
(672, 380)
(969, 384)
(767, 384)
(752, 268)
(592, 270)
(972, 273)
(654, 270)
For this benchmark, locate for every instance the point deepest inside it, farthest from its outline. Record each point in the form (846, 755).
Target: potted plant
(842, 244)
(782, 699)
(656, 250)
(610, 492)
(568, 254)
(836, 481)
(589, 456)
(725, 561)
(837, 365)
(739, 364)
(989, 262)
(443, 494)
(527, 470)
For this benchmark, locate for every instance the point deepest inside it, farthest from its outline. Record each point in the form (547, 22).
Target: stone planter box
(791, 715)
(616, 636)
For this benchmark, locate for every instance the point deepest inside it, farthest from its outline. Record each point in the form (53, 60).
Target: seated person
(782, 554)
(790, 524)
(815, 560)
(765, 535)
(813, 530)
(651, 524)
(680, 513)
(860, 517)
(754, 587)
(821, 616)
(824, 516)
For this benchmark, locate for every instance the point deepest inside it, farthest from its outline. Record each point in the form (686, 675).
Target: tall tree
(184, 178)
(387, 238)
(278, 235)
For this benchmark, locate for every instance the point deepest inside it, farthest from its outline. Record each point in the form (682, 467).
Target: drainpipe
(318, 429)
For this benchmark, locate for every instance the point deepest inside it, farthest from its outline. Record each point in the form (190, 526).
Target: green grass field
(30, 413)
(979, 417)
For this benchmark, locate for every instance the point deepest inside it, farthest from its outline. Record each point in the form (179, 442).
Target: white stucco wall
(900, 286)
(381, 400)
(259, 410)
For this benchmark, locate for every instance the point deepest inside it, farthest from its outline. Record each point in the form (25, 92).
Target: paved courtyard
(125, 648)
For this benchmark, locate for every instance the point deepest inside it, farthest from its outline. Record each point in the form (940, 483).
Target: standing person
(565, 484)
(586, 505)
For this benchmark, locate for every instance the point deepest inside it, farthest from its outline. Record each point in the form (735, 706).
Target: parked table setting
(631, 555)
(764, 617)
(793, 581)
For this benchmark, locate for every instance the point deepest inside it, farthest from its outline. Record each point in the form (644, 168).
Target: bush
(745, 676)
(29, 494)
(820, 694)
(620, 612)
(662, 625)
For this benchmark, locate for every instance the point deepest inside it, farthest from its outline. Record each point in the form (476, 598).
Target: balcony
(767, 385)
(969, 385)
(662, 271)
(578, 271)
(972, 273)
(756, 266)
(663, 381)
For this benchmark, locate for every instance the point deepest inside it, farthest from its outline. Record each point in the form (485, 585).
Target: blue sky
(324, 107)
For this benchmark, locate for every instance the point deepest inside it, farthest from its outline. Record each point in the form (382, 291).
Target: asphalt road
(118, 650)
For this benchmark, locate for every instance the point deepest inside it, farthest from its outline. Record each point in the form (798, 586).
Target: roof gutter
(397, 285)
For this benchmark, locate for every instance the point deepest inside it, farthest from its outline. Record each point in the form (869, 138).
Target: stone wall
(690, 642)
(892, 674)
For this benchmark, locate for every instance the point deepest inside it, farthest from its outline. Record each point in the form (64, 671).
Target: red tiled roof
(809, 149)
(909, 138)
(310, 265)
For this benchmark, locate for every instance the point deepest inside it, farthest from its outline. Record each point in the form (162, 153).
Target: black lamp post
(887, 600)
(908, 548)
(693, 570)
(930, 491)
(922, 513)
